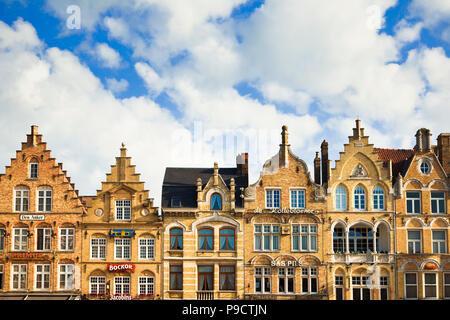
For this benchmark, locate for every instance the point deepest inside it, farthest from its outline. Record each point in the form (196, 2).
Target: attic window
(33, 170)
(176, 203)
(425, 167)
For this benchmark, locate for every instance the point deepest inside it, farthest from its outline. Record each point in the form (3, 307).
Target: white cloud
(431, 11)
(109, 57)
(406, 32)
(152, 80)
(117, 86)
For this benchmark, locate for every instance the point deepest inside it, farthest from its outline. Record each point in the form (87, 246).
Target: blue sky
(151, 73)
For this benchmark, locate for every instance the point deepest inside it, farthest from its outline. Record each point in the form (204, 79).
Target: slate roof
(181, 184)
(401, 159)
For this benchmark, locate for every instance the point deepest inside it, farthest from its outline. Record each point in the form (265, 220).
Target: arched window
(22, 199)
(378, 198)
(205, 239)
(360, 198)
(33, 169)
(176, 239)
(227, 239)
(341, 198)
(425, 167)
(216, 202)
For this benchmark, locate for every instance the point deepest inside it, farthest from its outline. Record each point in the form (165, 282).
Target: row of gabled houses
(373, 227)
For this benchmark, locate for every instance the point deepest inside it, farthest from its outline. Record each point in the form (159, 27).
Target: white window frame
(266, 190)
(444, 242)
(148, 248)
(69, 276)
(308, 234)
(428, 163)
(122, 282)
(378, 197)
(288, 273)
(121, 213)
(65, 238)
(384, 285)
(21, 274)
(445, 284)
(437, 202)
(97, 282)
(98, 245)
(42, 273)
(47, 239)
(120, 246)
(270, 234)
(47, 194)
(24, 232)
(265, 274)
(342, 203)
(307, 273)
(414, 241)
(2, 239)
(363, 284)
(360, 198)
(22, 206)
(31, 171)
(405, 285)
(436, 284)
(339, 286)
(413, 206)
(298, 191)
(146, 285)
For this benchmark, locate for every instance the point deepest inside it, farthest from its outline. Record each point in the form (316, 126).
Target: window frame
(46, 239)
(436, 284)
(21, 242)
(147, 285)
(121, 246)
(264, 275)
(205, 236)
(272, 198)
(177, 238)
(65, 239)
(339, 286)
(21, 274)
(227, 239)
(271, 234)
(414, 241)
(205, 279)
(438, 201)
(148, 246)
(405, 285)
(359, 198)
(98, 285)
(66, 273)
(378, 198)
(47, 200)
(178, 277)
(214, 195)
(227, 274)
(31, 170)
(342, 204)
(413, 202)
(363, 279)
(99, 246)
(299, 199)
(310, 277)
(122, 284)
(286, 276)
(439, 242)
(309, 237)
(22, 189)
(43, 273)
(120, 204)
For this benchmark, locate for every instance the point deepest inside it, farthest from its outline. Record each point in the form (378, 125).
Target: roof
(181, 184)
(401, 159)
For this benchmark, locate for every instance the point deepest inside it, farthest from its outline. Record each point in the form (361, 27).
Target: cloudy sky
(190, 82)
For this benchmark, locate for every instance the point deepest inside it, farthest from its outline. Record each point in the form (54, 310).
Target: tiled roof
(401, 159)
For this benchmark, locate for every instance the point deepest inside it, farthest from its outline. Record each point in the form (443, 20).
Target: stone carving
(359, 171)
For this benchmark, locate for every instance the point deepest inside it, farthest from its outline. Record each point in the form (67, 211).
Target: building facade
(283, 230)
(203, 232)
(40, 227)
(359, 224)
(121, 256)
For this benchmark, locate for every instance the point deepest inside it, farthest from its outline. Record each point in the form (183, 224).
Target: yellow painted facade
(283, 229)
(121, 254)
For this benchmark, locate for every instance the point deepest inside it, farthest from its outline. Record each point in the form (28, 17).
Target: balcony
(205, 295)
(362, 258)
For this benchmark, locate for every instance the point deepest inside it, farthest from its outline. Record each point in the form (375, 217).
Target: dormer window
(216, 202)
(123, 210)
(425, 167)
(33, 170)
(175, 203)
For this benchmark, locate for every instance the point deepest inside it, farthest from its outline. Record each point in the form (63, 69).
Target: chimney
(216, 173)
(317, 168)
(358, 132)
(121, 163)
(242, 164)
(32, 139)
(443, 150)
(324, 150)
(423, 140)
(284, 148)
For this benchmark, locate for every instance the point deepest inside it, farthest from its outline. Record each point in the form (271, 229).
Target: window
(384, 287)
(122, 285)
(66, 277)
(438, 202)
(410, 286)
(98, 248)
(175, 203)
(44, 239)
(446, 285)
(412, 202)
(227, 277)
(304, 237)
(285, 280)
(297, 199)
(66, 239)
(425, 167)
(146, 286)
(122, 248)
(44, 200)
(19, 277)
(1, 276)
(42, 277)
(414, 241)
(176, 277)
(176, 239)
(146, 248)
(216, 202)
(22, 201)
(205, 278)
(360, 198)
(206, 239)
(267, 237)
(2, 239)
(20, 242)
(272, 198)
(341, 198)
(360, 240)
(33, 170)
(262, 279)
(360, 288)
(339, 287)
(97, 285)
(378, 198)
(438, 240)
(123, 210)
(309, 280)
(227, 239)
(430, 285)
(339, 240)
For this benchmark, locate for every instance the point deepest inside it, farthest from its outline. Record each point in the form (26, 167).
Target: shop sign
(121, 267)
(287, 210)
(28, 256)
(430, 266)
(32, 217)
(128, 233)
(120, 297)
(285, 229)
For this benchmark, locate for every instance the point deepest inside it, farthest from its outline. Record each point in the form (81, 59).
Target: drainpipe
(395, 247)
